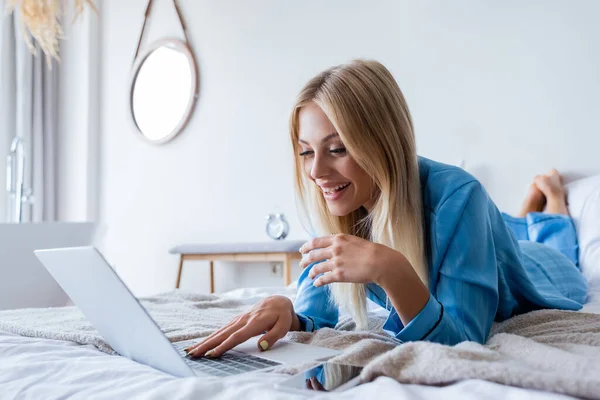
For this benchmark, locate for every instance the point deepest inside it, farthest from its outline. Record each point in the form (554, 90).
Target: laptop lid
(24, 282)
(113, 310)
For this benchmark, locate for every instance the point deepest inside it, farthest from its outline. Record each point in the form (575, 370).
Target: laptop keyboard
(231, 363)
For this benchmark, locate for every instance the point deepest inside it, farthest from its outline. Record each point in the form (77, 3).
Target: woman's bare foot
(534, 201)
(551, 185)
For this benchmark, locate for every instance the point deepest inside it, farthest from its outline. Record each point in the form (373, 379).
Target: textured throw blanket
(180, 316)
(550, 350)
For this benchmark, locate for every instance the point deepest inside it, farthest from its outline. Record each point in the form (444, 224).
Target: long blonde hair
(365, 105)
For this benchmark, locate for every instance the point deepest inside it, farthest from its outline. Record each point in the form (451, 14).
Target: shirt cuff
(420, 326)
(307, 324)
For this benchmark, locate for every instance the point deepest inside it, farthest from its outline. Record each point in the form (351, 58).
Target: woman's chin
(340, 210)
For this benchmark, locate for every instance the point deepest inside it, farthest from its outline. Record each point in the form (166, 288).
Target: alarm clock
(277, 226)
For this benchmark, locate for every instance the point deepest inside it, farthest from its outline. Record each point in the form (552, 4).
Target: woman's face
(344, 185)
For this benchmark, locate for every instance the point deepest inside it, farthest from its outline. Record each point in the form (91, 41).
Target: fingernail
(209, 353)
(264, 345)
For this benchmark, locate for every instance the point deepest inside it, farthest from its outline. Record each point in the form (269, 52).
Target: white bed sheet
(52, 369)
(593, 301)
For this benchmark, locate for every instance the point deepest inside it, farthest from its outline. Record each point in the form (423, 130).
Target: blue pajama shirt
(484, 265)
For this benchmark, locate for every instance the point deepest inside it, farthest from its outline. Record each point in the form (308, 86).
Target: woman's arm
(465, 300)
(403, 286)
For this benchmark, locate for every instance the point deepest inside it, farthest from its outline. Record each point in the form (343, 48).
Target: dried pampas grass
(41, 19)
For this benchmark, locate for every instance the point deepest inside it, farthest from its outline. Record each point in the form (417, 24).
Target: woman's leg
(554, 227)
(551, 186)
(549, 254)
(534, 202)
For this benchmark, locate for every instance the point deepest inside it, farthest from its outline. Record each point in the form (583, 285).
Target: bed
(34, 367)
(45, 368)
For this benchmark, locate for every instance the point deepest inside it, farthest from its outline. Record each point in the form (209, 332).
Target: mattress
(42, 368)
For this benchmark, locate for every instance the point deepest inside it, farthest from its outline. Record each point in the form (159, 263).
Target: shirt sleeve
(314, 306)
(465, 300)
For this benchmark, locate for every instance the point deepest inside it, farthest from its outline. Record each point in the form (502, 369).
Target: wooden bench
(284, 251)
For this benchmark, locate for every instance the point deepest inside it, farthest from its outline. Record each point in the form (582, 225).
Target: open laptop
(120, 318)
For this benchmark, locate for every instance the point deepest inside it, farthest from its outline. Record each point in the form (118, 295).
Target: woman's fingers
(273, 314)
(211, 343)
(316, 385)
(276, 332)
(316, 243)
(330, 277)
(321, 268)
(212, 335)
(314, 256)
(279, 330)
(238, 337)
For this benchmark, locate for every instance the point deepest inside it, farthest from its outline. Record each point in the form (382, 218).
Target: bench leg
(212, 276)
(287, 270)
(179, 272)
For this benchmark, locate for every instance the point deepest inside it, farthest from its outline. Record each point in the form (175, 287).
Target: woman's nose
(319, 168)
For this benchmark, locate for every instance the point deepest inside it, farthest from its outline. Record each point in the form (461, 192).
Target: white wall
(512, 87)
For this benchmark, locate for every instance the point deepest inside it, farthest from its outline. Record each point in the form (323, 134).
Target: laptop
(24, 282)
(124, 323)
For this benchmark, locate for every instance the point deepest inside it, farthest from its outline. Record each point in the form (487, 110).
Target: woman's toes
(555, 178)
(551, 185)
(534, 201)
(543, 183)
(535, 194)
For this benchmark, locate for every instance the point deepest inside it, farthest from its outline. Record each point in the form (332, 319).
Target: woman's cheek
(307, 168)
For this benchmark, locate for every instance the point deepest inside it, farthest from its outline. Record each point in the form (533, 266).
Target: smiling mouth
(335, 193)
(336, 189)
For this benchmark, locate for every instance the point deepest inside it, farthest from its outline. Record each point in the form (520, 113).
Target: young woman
(418, 237)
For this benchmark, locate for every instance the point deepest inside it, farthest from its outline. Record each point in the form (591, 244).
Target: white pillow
(584, 206)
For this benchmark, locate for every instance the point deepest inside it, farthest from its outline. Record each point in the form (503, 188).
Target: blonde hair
(335, 375)
(365, 105)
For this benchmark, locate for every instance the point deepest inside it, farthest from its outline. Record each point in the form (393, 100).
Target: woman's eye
(305, 153)
(339, 150)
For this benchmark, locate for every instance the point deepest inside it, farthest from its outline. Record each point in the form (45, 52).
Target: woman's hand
(348, 258)
(313, 383)
(275, 315)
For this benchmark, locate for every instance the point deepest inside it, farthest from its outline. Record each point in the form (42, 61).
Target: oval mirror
(164, 89)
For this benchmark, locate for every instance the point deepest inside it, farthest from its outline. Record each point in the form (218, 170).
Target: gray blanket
(550, 350)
